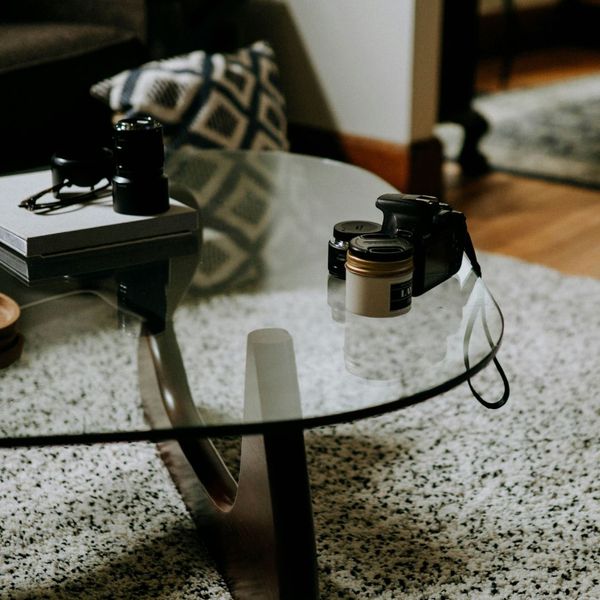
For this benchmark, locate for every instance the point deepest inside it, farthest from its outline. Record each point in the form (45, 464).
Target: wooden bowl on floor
(11, 342)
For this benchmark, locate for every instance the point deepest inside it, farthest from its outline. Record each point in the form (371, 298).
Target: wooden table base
(260, 529)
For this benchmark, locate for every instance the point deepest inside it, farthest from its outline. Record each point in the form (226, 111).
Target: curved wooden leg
(260, 530)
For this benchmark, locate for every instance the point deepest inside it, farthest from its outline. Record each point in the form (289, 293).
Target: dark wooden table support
(260, 529)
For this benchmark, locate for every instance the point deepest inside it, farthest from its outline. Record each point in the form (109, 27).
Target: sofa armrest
(123, 14)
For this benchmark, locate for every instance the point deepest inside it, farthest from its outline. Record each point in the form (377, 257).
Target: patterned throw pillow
(235, 193)
(231, 101)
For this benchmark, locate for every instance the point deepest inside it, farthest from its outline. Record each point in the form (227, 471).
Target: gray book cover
(99, 258)
(79, 226)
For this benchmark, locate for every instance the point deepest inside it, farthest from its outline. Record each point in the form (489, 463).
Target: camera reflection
(430, 334)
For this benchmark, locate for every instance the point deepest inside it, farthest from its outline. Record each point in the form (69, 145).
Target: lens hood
(82, 167)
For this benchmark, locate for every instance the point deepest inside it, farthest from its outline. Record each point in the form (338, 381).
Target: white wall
(362, 67)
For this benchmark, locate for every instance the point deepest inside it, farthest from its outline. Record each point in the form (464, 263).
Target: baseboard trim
(412, 168)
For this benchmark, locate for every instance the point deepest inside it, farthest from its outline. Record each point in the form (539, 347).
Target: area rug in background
(445, 499)
(552, 131)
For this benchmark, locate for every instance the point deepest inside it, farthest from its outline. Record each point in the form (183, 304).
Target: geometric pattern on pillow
(234, 196)
(231, 101)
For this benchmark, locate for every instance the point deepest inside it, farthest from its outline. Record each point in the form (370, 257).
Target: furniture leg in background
(457, 81)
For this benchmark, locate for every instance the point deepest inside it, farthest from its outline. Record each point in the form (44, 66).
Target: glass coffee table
(240, 331)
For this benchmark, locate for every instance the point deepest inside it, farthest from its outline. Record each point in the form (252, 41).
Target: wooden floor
(552, 224)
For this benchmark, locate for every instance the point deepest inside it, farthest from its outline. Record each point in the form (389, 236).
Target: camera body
(434, 234)
(134, 169)
(436, 231)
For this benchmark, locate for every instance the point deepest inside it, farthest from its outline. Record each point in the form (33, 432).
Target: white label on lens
(400, 295)
(372, 296)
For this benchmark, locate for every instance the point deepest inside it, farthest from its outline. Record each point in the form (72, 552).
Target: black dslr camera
(436, 233)
(133, 168)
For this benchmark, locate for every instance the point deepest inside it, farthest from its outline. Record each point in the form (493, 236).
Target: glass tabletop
(157, 346)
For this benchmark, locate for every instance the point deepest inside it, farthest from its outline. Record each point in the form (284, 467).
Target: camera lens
(139, 185)
(379, 271)
(338, 245)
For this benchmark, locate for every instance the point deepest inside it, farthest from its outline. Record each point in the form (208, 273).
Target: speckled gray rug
(551, 131)
(442, 500)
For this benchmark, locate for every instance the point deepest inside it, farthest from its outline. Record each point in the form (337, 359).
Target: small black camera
(436, 231)
(139, 184)
(134, 168)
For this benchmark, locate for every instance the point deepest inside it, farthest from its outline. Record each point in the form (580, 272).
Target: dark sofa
(52, 51)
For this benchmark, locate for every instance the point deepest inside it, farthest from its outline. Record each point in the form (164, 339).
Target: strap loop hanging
(480, 309)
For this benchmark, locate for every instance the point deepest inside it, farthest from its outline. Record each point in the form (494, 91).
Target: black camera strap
(62, 199)
(470, 252)
(480, 310)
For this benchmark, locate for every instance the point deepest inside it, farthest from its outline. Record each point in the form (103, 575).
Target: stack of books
(81, 238)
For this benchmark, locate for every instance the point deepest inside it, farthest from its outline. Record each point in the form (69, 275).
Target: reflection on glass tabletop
(174, 322)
